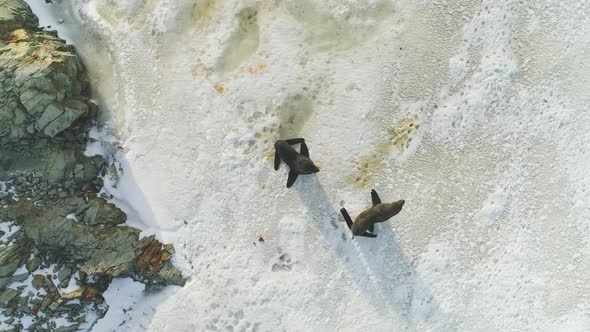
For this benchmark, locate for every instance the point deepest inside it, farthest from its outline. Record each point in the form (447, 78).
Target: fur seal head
(391, 209)
(306, 166)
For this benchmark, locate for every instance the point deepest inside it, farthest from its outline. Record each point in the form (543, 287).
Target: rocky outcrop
(44, 105)
(16, 15)
(61, 243)
(110, 251)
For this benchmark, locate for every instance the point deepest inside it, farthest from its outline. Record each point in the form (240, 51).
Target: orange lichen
(151, 256)
(17, 34)
(89, 292)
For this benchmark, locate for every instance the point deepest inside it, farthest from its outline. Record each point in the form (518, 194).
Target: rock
(7, 295)
(65, 116)
(33, 264)
(23, 300)
(19, 277)
(47, 300)
(54, 305)
(64, 276)
(98, 212)
(89, 292)
(45, 114)
(113, 251)
(50, 287)
(15, 14)
(72, 295)
(49, 80)
(38, 281)
(71, 328)
(154, 262)
(11, 257)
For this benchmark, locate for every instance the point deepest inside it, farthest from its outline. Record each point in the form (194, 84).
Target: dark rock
(33, 264)
(64, 276)
(50, 287)
(7, 295)
(47, 300)
(23, 300)
(112, 251)
(45, 114)
(98, 212)
(11, 257)
(16, 14)
(19, 277)
(55, 304)
(71, 328)
(38, 281)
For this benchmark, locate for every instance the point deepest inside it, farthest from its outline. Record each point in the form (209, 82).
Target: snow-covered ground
(474, 112)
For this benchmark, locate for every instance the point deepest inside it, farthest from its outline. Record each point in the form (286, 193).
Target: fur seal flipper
(346, 218)
(364, 223)
(375, 197)
(291, 179)
(299, 163)
(277, 160)
(304, 151)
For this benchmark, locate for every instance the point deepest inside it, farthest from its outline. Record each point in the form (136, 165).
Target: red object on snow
(260, 238)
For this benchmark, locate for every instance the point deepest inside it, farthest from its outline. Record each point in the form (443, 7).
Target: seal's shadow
(378, 266)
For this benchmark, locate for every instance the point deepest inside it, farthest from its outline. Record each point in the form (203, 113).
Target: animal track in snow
(284, 263)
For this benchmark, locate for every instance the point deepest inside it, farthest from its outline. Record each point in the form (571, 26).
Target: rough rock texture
(15, 15)
(111, 251)
(98, 212)
(60, 244)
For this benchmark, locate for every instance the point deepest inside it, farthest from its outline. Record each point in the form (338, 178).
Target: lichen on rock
(64, 234)
(112, 251)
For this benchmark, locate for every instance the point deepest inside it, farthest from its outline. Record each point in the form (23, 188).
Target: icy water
(474, 112)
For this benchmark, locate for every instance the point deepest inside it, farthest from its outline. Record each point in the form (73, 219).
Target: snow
(7, 228)
(493, 235)
(130, 307)
(72, 216)
(121, 296)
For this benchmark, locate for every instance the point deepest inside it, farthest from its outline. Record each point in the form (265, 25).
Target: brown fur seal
(299, 162)
(363, 224)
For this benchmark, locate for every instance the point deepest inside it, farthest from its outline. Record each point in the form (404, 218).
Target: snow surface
(494, 171)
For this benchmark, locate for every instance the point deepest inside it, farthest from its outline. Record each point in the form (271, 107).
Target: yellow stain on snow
(398, 138)
(256, 70)
(220, 89)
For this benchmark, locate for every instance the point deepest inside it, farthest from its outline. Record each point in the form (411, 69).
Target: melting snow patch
(493, 207)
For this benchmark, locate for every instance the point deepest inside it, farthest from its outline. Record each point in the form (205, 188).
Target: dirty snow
(474, 112)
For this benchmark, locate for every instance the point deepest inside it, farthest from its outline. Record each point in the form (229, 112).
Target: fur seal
(363, 224)
(299, 163)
